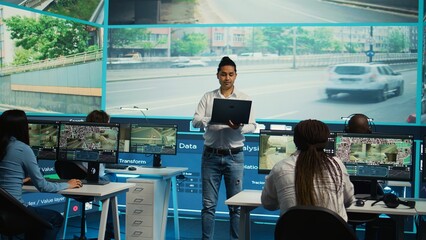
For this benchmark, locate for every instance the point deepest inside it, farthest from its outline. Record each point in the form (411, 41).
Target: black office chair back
(310, 222)
(70, 170)
(15, 218)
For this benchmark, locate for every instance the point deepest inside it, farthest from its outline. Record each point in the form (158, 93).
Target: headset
(349, 118)
(392, 201)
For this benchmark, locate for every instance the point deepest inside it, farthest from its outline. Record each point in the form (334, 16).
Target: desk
(250, 199)
(421, 211)
(104, 193)
(162, 178)
(397, 214)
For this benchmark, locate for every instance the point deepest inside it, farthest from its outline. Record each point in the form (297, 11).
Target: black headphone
(348, 120)
(392, 201)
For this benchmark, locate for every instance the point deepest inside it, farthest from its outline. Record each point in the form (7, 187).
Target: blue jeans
(53, 217)
(213, 168)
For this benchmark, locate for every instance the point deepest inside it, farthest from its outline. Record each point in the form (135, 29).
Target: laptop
(238, 111)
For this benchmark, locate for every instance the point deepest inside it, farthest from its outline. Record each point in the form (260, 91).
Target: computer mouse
(359, 203)
(131, 168)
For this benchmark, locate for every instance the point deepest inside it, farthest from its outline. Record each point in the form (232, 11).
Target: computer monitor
(153, 139)
(376, 157)
(124, 137)
(93, 143)
(276, 145)
(44, 138)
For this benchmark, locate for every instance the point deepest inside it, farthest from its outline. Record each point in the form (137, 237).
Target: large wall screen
(152, 61)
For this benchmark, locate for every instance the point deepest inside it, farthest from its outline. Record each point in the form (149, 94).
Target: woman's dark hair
(98, 116)
(226, 61)
(312, 165)
(13, 123)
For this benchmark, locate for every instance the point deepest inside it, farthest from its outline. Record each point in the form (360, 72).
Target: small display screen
(376, 156)
(150, 139)
(89, 142)
(44, 138)
(276, 145)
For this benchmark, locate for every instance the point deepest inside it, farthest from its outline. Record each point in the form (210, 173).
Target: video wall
(153, 60)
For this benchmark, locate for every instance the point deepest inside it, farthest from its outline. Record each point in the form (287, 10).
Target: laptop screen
(235, 110)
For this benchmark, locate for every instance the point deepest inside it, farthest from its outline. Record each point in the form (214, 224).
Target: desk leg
(244, 231)
(115, 217)
(399, 222)
(66, 213)
(165, 209)
(104, 214)
(175, 207)
(421, 230)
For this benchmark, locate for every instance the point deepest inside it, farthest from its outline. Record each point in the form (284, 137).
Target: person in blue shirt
(17, 161)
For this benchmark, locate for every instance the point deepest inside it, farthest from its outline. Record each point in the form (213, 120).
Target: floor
(190, 228)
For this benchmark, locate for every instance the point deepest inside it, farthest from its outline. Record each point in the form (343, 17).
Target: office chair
(311, 222)
(16, 219)
(70, 170)
(355, 219)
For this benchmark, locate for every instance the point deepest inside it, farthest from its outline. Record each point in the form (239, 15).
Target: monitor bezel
(109, 125)
(422, 156)
(388, 136)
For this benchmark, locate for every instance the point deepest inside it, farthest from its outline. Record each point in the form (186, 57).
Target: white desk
(421, 207)
(421, 211)
(168, 177)
(397, 214)
(250, 199)
(104, 193)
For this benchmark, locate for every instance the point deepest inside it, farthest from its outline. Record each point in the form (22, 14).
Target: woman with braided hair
(309, 176)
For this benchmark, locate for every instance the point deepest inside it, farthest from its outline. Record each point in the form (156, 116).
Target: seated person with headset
(360, 123)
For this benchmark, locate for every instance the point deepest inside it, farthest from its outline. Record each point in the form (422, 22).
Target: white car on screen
(189, 63)
(374, 80)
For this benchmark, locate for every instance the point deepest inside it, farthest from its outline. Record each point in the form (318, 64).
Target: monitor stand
(156, 162)
(93, 174)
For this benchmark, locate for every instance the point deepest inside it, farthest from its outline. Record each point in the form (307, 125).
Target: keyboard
(58, 180)
(84, 181)
(115, 166)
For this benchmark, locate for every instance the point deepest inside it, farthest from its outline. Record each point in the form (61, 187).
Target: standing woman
(309, 177)
(17, 161)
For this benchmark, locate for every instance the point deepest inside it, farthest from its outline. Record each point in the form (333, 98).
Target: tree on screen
(47, 37)
(131, 38)
(190, 44)
(396, 41)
